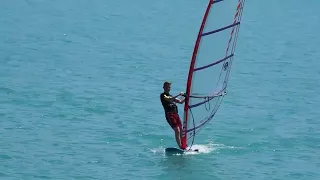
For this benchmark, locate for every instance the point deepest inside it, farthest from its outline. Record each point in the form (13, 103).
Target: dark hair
(166, 83)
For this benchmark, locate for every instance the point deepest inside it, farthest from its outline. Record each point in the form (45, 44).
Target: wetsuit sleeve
(162, 97)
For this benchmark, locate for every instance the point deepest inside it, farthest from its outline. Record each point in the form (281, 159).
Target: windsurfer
(171, 110)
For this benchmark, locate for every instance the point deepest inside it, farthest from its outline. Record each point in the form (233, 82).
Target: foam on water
(202, 149)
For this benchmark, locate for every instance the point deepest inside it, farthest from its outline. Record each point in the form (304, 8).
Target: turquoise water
(80, 84)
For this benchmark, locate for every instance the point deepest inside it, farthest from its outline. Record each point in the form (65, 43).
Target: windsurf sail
(210, 65)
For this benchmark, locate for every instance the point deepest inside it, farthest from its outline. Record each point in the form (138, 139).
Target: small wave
(158, 150)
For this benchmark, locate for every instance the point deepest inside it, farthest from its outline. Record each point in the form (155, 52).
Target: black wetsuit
(171, 111)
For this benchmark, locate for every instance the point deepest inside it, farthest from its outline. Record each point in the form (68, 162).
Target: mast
(190, 75)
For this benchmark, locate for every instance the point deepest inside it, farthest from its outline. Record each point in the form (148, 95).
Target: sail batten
(221, 29)
(215, 63)
(217, 1)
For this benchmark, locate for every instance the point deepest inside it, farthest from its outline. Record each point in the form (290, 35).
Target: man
(171, 110)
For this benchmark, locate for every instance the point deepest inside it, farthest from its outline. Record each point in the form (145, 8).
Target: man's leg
(178, 135)
(175, 123)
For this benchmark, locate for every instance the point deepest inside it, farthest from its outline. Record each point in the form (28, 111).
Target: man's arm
(180, 101)
(174, 98)
(170, 98)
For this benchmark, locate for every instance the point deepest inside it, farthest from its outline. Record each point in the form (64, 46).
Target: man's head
(167, 86)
